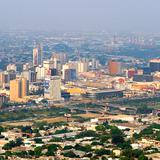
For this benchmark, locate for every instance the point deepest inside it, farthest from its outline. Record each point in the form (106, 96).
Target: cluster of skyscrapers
(45, 76)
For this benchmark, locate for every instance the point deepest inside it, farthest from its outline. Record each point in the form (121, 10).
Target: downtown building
(6, 77)
(82, 66)
(30, 75)
(70, 75)
(154, 65)
(114, 67)
(53, 88)
(19, 89)
(37, 55)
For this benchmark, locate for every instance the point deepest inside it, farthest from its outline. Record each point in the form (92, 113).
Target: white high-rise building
(94, 64)
(40, 72)
(82, 66)
(53, 92)
(64, 67)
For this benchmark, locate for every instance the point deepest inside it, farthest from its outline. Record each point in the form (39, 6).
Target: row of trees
(12, 144)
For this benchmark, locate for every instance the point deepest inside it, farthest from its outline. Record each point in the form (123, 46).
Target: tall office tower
(57, 65)
(2, 80)
(5, 78)
(11, 67)
(70, 75)
(24, 87)
(114, 67)
(37, 55)
(53, 92)
(19, 88)
(94, 64)
(15, 90)
(62, 57)
(3, 99)
(69, 65)
(64, 67)
(154, 65)
(55, 62)
(82, 66)
(41, 54)
(48, 66)
(11, 75)
(40, 72)
(29, 75)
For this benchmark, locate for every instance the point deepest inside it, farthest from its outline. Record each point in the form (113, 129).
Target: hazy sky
(116, 15)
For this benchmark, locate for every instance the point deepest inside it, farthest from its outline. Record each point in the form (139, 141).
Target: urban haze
(79, 80)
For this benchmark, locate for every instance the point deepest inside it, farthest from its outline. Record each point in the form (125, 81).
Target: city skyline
(79, 79)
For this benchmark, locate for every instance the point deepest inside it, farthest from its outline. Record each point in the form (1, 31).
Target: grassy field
(50, 120)
(152, 102)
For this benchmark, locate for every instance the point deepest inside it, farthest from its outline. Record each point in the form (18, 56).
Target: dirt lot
(155, 156)
(89, 115)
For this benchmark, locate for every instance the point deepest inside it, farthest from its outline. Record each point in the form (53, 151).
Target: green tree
(124, 158)
(9, 145)
(53, 147)
(19, 142)
(86, 148)
(67, 147)
(104, 158)
(117, 139)
(7, 154)
(125, 145)
(2, 158)
(1, 129)
(117, 135)
(100, 128)
(38, 151)
(137, 153)
(38, 140)
(27, 129)
(88, 133)
(104, 138)
(102, 151)
(70, 154)
(142, 157)
(31, 153)
(37, 134)
(128, 153)
(22, 154)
